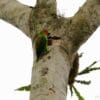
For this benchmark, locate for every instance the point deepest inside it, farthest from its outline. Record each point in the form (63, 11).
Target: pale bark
(84, 23)
(50, 74)
(16, 14)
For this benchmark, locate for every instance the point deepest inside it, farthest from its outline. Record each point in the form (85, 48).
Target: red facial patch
(45, 32)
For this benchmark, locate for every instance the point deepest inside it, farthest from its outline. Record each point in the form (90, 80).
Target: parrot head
(46, 32)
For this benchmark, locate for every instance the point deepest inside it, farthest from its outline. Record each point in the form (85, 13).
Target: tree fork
(53, 69)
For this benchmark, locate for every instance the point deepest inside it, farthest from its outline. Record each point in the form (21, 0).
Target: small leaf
(87, 69)
(92, 64)
(94, 69)
(83, 82)
(24, 88)
(77, 93)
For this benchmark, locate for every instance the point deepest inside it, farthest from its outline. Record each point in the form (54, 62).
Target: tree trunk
(50, 74)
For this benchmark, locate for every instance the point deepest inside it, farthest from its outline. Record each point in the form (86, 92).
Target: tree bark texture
(51, 73)
(49, 76)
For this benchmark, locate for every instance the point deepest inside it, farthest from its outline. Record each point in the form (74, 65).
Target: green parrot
(41, 43)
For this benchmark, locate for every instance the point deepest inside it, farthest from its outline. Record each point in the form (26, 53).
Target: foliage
(24, 88)
(77, 93)
(87, 70)
(83, 82)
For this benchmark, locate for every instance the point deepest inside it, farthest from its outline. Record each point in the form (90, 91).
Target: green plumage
(41, 44)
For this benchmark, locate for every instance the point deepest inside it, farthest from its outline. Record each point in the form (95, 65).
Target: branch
(47, 2)
(16, 13)
(51, 4)
(84, 23)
